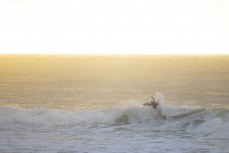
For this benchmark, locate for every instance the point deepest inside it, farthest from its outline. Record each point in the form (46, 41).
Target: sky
(114, 27)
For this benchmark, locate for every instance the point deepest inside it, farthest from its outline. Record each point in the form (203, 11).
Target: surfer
(152, 102)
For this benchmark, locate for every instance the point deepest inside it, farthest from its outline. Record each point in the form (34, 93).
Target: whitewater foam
(130, 128)
(134, 112)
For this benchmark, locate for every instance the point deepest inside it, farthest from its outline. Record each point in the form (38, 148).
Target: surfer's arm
(147, 103)
(153, 99)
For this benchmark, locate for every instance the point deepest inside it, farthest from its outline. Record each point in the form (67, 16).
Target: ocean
(94, 103)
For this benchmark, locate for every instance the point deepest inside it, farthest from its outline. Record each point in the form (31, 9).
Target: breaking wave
(208, 122)
(169, 118)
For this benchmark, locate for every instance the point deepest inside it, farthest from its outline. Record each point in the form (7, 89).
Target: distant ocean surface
(76, 103)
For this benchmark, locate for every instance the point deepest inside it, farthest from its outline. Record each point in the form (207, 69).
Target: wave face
(195, 118)
(50, 130)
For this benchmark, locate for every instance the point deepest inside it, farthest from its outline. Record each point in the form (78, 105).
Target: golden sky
(114, 27)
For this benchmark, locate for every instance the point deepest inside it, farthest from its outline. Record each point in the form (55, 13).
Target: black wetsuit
(155, 104)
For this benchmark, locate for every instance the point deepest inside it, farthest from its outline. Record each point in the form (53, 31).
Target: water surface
(73, 103)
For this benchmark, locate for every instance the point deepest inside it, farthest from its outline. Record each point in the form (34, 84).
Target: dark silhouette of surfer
(152, 102)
